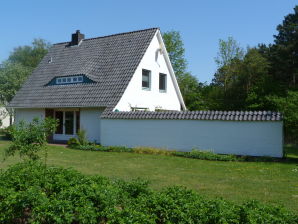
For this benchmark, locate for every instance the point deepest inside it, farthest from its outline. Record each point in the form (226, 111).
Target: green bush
(29, 138)
(7, 132)
(94, 147)
(73, 142)
(82, 137)
(194, 154)
(207, 155)
(152, 151)
(67, 196)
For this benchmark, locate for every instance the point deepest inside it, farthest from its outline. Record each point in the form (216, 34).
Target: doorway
(68, 124)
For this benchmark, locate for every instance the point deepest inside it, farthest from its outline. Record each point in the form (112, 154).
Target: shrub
(82, 137)
(206, 155)
(73, 142)
(67, 196)
(7, 132)
(151, 150)
(29, 138)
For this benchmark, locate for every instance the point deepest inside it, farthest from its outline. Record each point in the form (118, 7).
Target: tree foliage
(261, 78)
(30, 56)
(12, 76)
(29, 138)
(189, 85)
(176, 51)
(15, 70)
(289, 106)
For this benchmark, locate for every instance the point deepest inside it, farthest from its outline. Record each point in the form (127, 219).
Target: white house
(4, 118)
(122, 90)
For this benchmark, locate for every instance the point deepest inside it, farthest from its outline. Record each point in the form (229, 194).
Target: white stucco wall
(4, 117)
(135, 96)
(29, 114)
(226, 137)
(90, 121)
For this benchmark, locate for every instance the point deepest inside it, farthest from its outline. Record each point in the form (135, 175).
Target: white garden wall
(226, 137)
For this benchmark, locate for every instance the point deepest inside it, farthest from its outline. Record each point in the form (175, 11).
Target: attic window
(69, 80)
(146, 78)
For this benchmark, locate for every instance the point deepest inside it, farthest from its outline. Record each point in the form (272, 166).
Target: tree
(12, 77)
(15, 70)
(191, 89)
(189, 85)
(30, 56)
(29, 138)
(288, 106)
(175, 48)
(283, 54)
(229, 51)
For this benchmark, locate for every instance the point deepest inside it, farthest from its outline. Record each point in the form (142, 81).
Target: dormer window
(69, 80)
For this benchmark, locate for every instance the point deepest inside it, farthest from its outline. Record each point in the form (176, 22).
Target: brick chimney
(76, 38)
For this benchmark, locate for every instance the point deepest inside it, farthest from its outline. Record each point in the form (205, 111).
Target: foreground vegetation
(269, 182)
(31, 192)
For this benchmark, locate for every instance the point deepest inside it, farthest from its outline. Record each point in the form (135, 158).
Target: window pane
(69, 119)
(145, 78)
(78, 121)
(75, 79)
(59, 117)
(162, 81)
(64, 80)
(80, 79)
(68, 79)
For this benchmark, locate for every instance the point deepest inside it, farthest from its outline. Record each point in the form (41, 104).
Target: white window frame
(63, 122)
(146, 88)
(69, 79)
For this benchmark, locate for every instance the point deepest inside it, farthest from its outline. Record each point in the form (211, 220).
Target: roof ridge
(116, 34)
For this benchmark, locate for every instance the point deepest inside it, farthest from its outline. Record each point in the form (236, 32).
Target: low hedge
(31, 193)
(194, 154)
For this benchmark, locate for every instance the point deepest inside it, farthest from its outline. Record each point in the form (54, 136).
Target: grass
(269, 182)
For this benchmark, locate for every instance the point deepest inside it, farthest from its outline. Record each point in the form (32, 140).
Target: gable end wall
(135, 96)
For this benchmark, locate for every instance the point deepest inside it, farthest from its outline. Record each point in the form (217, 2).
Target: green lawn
(270, 182)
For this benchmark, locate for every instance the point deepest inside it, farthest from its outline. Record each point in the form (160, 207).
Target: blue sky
(201, 23)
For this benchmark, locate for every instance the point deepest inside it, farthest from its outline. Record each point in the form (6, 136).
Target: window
(69, 80)
(77, 121)
(162, 82)
(146, 79)
(59, 117)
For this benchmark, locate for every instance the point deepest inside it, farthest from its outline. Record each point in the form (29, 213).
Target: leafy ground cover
(30, 192)
(269, 182)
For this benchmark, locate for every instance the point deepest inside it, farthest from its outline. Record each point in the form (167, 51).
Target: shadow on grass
(291, 154)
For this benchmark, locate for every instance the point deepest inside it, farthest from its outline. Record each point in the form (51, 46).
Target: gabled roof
(196, 115)
(110, 61)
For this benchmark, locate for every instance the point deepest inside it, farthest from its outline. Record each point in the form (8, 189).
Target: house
(122, 90)
(4, 118)
(77, 80)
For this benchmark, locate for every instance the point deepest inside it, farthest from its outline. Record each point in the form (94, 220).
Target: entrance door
(68, 124)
